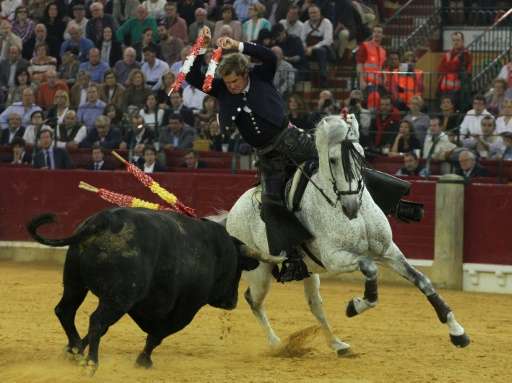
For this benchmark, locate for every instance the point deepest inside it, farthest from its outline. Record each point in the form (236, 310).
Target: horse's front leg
(369, 300)
(312, 293)
(396, 260)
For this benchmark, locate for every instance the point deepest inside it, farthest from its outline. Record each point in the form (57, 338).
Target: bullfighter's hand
(206, 34)
(228, 43)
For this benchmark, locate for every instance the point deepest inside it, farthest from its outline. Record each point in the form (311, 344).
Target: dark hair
(175, 116)
(109, 72)
(20, 71)
(118, 116)
(95, 146)
(277, 29)
(479, 97)
(229, 7)
(411, 154)
(17, 141)
(150, 48)
(46, 17)
(36, 112)
(150, 148)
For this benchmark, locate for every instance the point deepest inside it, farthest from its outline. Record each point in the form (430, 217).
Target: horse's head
(341, 160)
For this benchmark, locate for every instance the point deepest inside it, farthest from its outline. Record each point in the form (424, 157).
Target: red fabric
(383, 124)
(451, 66)
(45, 94)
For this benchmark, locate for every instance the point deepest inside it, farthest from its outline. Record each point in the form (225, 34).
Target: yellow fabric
(145, 204)
(163, 194)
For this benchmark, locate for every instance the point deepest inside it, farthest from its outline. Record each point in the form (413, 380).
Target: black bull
(158, 267)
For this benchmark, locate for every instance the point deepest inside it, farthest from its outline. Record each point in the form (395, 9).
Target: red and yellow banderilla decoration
(155, 187)
(123, 200)
(189, 62)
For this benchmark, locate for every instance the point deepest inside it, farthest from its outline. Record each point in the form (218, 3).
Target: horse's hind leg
(259, 284)
(369, 300)
(312, 293)
(72, 297)
(396, 260)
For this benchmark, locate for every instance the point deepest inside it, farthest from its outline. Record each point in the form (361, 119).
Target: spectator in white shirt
(193, 98)
(504, 122)
(471, 125)
(153, 68)
(292, 24)
(317, 39)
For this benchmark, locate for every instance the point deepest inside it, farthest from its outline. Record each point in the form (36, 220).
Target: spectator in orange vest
(455, 66)
(392, 67)
(370, 58)
(407, 82)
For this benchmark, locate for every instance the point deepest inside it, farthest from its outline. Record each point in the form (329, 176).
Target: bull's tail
(83, 231)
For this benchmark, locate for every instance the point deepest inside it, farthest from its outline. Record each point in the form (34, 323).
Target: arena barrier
(27, 192)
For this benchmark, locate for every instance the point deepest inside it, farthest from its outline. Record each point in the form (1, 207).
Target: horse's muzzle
(350, 207)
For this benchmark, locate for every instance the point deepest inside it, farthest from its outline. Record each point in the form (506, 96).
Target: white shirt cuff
(241, 47)
(202, 51)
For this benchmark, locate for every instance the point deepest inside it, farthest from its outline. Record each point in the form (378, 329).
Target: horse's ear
(354, 125)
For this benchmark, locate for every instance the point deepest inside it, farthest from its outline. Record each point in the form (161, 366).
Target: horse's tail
(84, 230)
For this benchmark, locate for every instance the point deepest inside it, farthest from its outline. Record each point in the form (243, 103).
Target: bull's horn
(263, 257)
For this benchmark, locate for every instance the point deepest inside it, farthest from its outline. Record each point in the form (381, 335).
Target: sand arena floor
(399, 341)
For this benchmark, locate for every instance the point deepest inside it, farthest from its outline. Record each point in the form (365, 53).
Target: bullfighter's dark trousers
(284, 231)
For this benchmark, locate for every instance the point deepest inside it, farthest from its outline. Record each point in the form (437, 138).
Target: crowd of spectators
(97, 75)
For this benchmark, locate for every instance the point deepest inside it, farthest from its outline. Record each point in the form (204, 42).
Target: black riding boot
(285, 232)
(294, 268)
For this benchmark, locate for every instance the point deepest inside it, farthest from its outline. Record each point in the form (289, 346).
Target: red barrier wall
(487, 215)
(27, 192)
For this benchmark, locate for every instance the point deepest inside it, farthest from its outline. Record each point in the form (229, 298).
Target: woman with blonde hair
(136, 91)
(59, 109)
(251, 28)
(420, 121)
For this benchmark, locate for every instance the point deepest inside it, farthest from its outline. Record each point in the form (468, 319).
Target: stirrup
(409, 211)
(293, 270)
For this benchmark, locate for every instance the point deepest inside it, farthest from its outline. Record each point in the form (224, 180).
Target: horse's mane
(332, 130)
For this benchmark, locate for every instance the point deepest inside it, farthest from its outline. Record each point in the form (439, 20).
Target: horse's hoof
(343, 351)
(144, 360)
(460, 340)
(351, 309)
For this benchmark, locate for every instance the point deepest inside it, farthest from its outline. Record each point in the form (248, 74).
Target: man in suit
(50, 157)
(178, 135)
(19, 155)
(191, 160)
(263, 124)
(103, 135)
(469, 168)
(12, 64)
(151, 164)
(14, 129)
(98, 159)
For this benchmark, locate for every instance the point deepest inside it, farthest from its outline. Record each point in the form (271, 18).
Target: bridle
(347, 154)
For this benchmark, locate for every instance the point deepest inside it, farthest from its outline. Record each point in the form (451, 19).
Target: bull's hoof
(351, 309)
(460, 340)
(88, 367)
(73, 354)
(144, 360)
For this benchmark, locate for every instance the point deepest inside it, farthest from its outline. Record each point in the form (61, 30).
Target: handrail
(490, 28)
